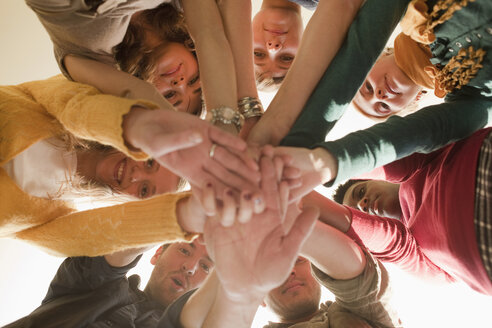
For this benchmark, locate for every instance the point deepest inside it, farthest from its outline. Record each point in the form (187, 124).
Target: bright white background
(25, 272)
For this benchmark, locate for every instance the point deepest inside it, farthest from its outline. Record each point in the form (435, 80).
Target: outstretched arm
(112, 81)
(236, 16)
(321, 40)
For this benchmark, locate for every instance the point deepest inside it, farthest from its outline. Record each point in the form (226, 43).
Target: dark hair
(342, 188)
(136, 58)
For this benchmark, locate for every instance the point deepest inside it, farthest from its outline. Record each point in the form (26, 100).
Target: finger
(248, 157)
(284, 198)
(209, 200)
(236, 164)
(291, 172)
(226, 139)
(269, 183)
(245, 208)
(279, 167)
(294, 183)
(228, 178)
(259, 204)
(300, 231)
(165, 143)
(268, 151)
(228, 209)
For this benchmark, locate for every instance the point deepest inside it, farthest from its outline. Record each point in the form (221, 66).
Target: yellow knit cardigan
(37, 110)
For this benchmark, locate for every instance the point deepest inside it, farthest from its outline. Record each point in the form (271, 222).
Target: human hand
(254, 257)
(317, 166)
(165, 136)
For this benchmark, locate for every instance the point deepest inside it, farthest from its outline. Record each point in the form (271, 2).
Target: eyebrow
(198, 90)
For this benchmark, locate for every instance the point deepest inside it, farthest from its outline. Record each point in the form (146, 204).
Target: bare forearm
(333, 252)
(111, 81)
(236, 16)
(228, 313)
(331, 213)
(214, 53)
(321, 40)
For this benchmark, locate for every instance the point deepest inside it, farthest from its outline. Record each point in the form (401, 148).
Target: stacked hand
(192, 149)
(255, 256)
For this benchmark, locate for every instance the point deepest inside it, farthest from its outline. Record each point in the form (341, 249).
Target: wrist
(225, 116)
(324, 163)
(184, 215)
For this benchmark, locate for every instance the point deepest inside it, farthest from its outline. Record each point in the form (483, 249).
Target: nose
(381, 93)
(189, 268)
(363, 204)
(274, 45)
(177, 81)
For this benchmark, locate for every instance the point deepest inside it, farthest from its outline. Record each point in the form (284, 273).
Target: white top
(43, 169)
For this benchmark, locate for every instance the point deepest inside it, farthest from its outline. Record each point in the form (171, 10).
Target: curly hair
(134, 56)
(342, 188)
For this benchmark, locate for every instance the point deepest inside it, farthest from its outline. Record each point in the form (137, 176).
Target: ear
(156, 256)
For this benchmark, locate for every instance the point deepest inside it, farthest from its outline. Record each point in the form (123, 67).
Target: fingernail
(195, 137)
(258, 201)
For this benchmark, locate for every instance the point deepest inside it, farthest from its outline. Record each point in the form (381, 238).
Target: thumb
(300, 232)
(165, 143)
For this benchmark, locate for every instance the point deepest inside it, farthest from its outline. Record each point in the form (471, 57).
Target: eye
(361, 193)
(144, 191)
(259, 54)
(194, 80)
(286, 58)
(185, 251)
(205, 267)
(170, 94)
(368, 87)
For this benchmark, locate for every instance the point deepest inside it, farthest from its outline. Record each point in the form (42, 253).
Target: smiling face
(298, 296)
(386, 91)
(139, 179)
(179, 268)
(177, 78)
(374, 197)
(277, 33)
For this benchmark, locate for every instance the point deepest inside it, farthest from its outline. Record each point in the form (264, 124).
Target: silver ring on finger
(212, 150)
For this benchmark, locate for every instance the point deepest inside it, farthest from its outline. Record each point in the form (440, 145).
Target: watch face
(228, 113)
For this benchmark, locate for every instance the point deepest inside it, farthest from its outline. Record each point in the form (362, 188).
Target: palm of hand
(256, 248)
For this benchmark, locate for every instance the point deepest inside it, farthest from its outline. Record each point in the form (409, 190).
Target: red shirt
(436, 235)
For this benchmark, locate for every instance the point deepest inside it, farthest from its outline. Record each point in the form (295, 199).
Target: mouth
(294, 285)
(382, 111)
(391, 89)
(119, 171)
(179, 283)
(173, 70)
(276, 32)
